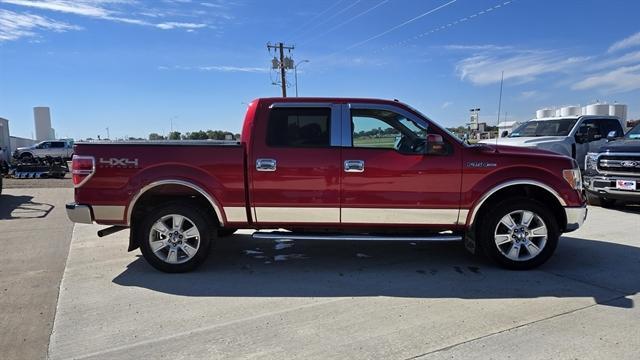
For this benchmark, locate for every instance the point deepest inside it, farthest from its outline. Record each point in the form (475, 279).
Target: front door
(295, 169)
(390, 177)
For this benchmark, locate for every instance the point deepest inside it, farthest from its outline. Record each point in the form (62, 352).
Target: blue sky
(135, 66)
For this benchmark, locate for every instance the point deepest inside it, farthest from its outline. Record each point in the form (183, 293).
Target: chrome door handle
(266, 165)
(353, 166)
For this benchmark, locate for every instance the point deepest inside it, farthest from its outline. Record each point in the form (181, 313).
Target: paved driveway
(34, 237)
(268, 299)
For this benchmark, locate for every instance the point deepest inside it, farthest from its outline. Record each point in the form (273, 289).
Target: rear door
(389, 178)
(295, 165)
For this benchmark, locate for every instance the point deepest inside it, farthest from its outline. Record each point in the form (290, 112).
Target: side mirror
(435, 145)
(612, 135)
(504, 134)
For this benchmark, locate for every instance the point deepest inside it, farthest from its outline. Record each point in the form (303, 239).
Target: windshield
(633, 134)
(559, 127)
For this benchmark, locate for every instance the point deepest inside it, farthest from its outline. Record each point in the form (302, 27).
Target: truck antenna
(499, 107)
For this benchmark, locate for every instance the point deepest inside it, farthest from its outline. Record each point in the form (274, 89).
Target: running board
(275, 235)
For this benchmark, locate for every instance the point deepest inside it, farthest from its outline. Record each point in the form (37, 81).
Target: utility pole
(283, 64)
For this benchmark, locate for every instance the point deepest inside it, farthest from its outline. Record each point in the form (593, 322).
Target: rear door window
(299, 127)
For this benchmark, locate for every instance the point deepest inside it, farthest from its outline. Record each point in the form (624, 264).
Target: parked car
(52, 148)
(613, 173)
(329, 169)
(573, 136)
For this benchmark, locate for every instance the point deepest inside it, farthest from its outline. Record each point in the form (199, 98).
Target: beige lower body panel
(108, 212)
(399, 216)
(235, 214)
(297, 215)
(359, 215)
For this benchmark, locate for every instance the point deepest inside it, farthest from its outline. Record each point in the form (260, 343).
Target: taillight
(82, 167)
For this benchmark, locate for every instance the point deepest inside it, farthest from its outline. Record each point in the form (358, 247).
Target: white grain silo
(42, 119)
(558, 113)
(619, 110)
(545, 113)
(598, 109)
(5, 140)
(571, 111)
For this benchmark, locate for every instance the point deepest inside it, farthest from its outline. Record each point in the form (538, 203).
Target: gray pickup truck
(574, 136)
(53, 148)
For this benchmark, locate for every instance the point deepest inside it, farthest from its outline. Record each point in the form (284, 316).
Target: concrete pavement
(354, 300)
(35, 235)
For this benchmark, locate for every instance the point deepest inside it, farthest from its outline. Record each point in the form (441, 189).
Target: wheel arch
(163, 191)
(529, 188)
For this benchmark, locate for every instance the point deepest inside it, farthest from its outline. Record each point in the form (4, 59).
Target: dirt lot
(11, 183)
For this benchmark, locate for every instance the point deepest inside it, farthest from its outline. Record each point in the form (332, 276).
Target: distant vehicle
(53, 148)
(319, 168)
(613, 173)
(573, 136)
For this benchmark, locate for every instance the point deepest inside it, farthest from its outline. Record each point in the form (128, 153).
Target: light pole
(295, 71)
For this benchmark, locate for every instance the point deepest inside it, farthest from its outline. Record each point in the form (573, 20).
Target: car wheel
(226, 232)
(176, 237)
(519, 234)
(25, 156)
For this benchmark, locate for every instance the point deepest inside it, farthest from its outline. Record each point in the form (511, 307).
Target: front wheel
(176, 237)
(519, 234)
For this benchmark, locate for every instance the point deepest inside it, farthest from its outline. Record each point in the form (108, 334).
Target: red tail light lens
(82, 168)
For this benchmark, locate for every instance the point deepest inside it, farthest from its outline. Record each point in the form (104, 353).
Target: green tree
(174, 135)
(155, 136)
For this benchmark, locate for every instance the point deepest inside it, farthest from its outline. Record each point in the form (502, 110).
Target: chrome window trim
(499, 187)
(212, 201)
(395, 109)
(335, 120)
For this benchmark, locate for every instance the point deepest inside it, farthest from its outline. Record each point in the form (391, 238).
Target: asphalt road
(35, 236)
(265, 299)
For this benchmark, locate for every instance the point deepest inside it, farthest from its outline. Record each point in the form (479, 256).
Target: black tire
(596, 200)
(25, 156)
(197, 217)
(489, 223)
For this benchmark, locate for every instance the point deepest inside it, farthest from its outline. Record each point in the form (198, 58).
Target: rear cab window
(299, 127)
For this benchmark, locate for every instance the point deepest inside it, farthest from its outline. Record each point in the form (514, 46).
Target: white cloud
(626, 78)
(446, 104)
(486, 47)
(111, 10)
(519, 66)
(219, 68)
(14, 26)
(179, 25)
(528, 94)
(78, 7)
(631, 41)
(628, 58)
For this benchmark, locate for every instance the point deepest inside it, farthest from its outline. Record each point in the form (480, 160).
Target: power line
(331, 17)
(283, 64)
(348, 21)
(401, 25)
(318, 15)
(449, 25)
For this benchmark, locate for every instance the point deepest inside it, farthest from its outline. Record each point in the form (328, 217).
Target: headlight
(574, 178)
(591, 161)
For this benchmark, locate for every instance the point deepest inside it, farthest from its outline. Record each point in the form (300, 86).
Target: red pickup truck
(329, 169)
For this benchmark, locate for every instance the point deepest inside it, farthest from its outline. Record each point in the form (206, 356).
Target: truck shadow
(22, 207)
(242, 267)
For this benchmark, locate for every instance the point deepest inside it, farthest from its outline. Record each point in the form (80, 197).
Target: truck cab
(574, 136)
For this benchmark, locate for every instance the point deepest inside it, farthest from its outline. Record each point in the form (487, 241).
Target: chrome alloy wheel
(520, 235)
(174, 239)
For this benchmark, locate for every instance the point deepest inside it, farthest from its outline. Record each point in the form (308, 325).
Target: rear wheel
(26, 156)
(519, 234)
(176, 237)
